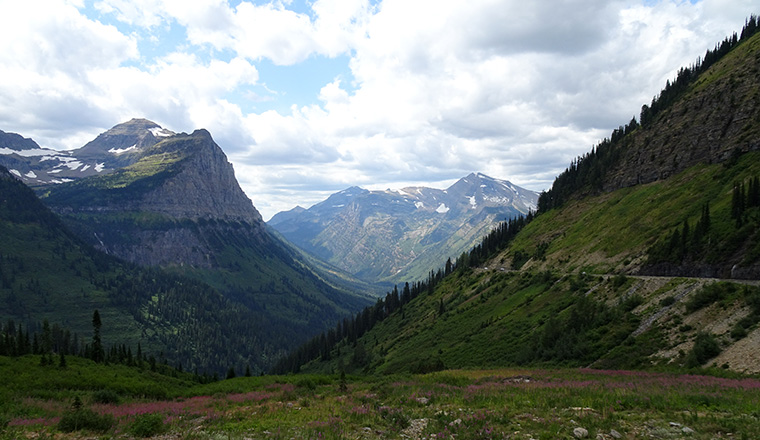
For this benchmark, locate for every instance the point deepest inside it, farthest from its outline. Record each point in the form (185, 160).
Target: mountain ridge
(393, 235)
(177, 208)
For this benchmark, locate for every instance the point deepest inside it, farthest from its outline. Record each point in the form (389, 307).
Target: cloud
(437, 88)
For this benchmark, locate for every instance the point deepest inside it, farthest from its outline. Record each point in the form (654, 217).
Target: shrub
(147, 425)
(631, 303)
(108, 397)
(619, 281)
(705, 348)
(85, 418)
(708, 295)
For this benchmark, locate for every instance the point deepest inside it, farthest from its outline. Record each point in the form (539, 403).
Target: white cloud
(438, 88)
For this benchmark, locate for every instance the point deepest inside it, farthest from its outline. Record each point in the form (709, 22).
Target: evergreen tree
(96, 353)
(737, 203)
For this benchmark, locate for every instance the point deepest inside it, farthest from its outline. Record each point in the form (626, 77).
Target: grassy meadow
(86, 400)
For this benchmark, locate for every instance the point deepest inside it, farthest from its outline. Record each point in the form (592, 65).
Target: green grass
(622, 225)
(470, 404)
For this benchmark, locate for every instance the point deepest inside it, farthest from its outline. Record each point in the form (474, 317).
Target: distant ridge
(397, 235)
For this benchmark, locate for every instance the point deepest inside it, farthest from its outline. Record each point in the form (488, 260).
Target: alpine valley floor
(454, 404)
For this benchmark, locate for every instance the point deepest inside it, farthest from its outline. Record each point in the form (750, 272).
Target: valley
(143, 296)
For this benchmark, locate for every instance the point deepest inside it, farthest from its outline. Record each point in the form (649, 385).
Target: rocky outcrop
(204, 187)
(168, 208)
(711, 124)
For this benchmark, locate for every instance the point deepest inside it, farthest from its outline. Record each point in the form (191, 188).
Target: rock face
(709, 125)
(399, 235)
(16, 142)
(167, 207)
(204, 186)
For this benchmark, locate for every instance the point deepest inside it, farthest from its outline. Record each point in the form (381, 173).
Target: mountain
(397, 235)
(123, 144)
(617, 268)
(120, 146)
(47, 273)
(177, 206)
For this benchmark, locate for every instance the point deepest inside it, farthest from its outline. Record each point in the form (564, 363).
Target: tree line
(587, 172)
(700, 242)
(53, 344)
(350, 329)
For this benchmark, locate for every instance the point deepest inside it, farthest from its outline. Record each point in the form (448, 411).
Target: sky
(307, 98)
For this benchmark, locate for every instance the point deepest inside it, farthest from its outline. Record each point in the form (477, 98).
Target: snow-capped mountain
(120, 146)
(397, 235)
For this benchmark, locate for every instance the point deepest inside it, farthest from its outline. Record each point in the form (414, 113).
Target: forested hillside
(565, 287)
(49, 274)
(178, 209)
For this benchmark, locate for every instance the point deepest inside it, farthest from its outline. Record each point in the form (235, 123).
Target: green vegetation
(469, 404)
(589, 173)
(47, 274)
(413, 364)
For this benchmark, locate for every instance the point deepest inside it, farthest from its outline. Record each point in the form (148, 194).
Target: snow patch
(161, 132)
(118, 151)
(473, 202)
(73, 164)
(57, 170)
(31, 175)
(84, 168)
(99, 167)
(61, 180)
(338, 206)
(500, 200)
(15, 172)
(482, 186)
(27, 153)
(442, 209)
(419, 205)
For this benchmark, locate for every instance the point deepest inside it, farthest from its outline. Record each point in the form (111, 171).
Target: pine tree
(96, 354)
(737, 203)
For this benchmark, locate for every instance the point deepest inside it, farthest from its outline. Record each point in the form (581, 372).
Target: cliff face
(167, 208)
(717, 118)
(204, 187)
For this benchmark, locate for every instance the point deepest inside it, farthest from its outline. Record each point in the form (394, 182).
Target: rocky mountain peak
(205, 187)
(391, 235)
(16, 142)
(125, 139)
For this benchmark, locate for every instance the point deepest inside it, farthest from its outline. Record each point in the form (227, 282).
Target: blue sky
(308, 98)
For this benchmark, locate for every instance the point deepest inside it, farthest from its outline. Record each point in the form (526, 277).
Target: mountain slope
(399, 235)
(179, 207)
(572, 286)
(48, 273)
